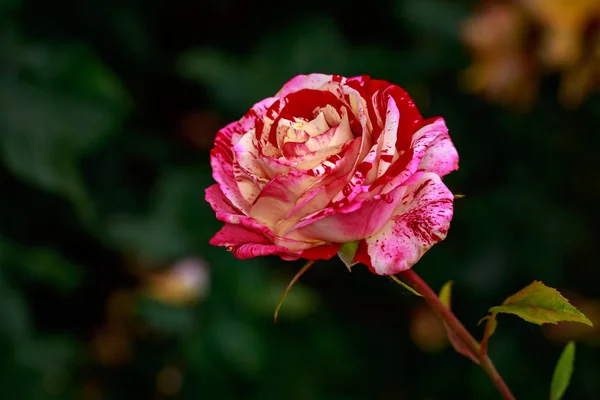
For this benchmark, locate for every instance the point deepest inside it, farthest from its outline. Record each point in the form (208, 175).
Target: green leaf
(435, 17)
(347, 252)
(540, 304)
(237, 82)
(57, 104)
(490, 328)
(42, 265)
(446, 293)
(563, 372)
(49, 267)
(166, 318)
(446, 297)
(175, 220)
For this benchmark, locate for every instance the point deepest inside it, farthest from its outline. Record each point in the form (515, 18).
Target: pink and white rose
(333, 165)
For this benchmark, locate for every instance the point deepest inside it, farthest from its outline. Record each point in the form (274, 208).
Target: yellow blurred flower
(580, 80)
(563, 25)
(183, 283)
(427, 330)
(508, 60)
(501, 70)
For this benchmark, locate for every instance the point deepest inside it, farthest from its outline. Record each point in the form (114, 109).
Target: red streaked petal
(421, 219)
(310, 81)
(367, 219)
(245, 243)
(279, 196)
(441, 157)
(324, 252)
(362, 255)
(409, 161)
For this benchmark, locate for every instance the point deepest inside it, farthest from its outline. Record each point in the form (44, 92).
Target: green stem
(444, 312)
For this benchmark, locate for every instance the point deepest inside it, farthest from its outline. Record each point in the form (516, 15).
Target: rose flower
(333, 165)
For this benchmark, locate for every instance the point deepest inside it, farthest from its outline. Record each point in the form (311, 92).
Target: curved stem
(444, 312)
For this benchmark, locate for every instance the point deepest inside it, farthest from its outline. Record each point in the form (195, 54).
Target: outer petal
(422, 142)
(311, 81)
(222, 157)
(227, 213)
(279, 197)
(421, 219)
(245, 243)
(366, 220)
(441, 157)
(324, 252)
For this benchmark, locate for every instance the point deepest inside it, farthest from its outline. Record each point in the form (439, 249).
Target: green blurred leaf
(238, 82)
(438, 17)
(176, 219)
(14, 315)
(7, 6)
(166, 318)
(57, 103)
(240, 344)
(540, 304)
(48, 267)
(44, 266)
(49, 354)
(563, 372)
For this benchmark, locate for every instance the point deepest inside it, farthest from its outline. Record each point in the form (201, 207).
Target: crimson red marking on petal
(421, 187)
(324, 252)
(302, 104)
(362, 255)
(355, 126)
(337, 78)
(425, 122)
(362, 85)
(259, 126)
(410, 118)
(387, 198)
(270, 113)
(388, 158)
(394, 169)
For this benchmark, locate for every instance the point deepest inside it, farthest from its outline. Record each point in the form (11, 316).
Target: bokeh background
(108, 287)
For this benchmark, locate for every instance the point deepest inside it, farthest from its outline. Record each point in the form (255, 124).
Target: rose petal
(310, 81)
(236, 235)
(332, 137)
(279, 196)
(227, 213)
(221, 161)
(401, 170)
(222, 158)
(384, 152)
(321, 252)
(441, 157)
(369, 218)
(333, 174)
(421, 219)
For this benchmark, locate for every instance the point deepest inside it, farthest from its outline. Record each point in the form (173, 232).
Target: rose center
(327, 131)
